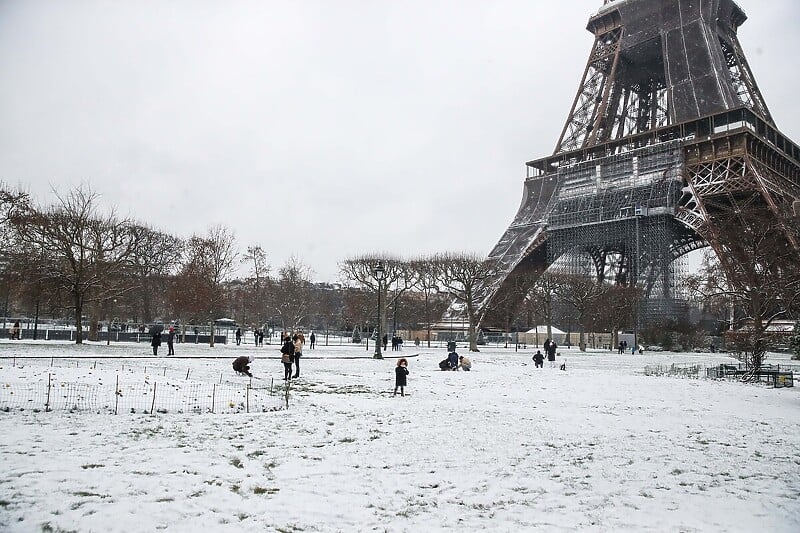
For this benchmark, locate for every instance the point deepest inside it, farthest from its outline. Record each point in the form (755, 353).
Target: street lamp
(379, 274)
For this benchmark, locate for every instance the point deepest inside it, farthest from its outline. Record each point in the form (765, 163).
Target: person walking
(313, 340)
(401, 376)
(385, 341)
(298, 340)
(170, 341)
(196, 334)
(238, 336)
(155, 341)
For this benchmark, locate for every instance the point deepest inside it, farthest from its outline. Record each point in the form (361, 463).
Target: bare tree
(86, 253)
(256, 259)
(583, 293)
(466, 277)
(397, 279)
(759, 281)
(209, 262)
(156, 256)
(292, 293)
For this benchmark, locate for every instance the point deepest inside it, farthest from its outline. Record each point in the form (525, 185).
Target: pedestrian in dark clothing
(242, 365)
(238, 336)
(385, 341)
(444, 364)
(171, 340)
(287, 357)
(400, 376)
(313, 340)
(155, 342)
(451, 346)
(538, 359)
(551, 353)
(452, 360)
(196, 334)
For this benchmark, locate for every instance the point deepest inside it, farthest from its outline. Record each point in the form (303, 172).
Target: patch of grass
(47, 528)
(265, 490)
(235, 488)
(256, 453)
(4, 503)
(347, 439)
(87, 494)
(237, 462)
(92, 465)
(165, 499)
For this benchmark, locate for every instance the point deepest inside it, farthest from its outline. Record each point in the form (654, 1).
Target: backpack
(286, 358)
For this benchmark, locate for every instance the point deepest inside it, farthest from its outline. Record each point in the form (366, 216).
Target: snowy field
(506, 447)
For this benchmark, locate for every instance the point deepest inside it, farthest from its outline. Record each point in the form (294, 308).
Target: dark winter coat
(452, 360)
(242, 364)
(538, 357)
(156, 341)
(400, 373)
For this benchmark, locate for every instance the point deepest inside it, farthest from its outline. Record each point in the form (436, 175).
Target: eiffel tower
(668, 140)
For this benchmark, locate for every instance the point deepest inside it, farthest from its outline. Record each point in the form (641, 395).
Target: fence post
(117, 395)
(153, 405)
(51, 361)
(271, 383)
(213, 396)
(287, 394)
(248, 398)
(47, 403)
(165, 371)
(187, 372)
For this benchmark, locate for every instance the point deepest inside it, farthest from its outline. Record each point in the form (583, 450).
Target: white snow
(506, 447)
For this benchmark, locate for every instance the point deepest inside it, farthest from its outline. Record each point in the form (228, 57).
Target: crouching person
(242, 365)
(464, 363)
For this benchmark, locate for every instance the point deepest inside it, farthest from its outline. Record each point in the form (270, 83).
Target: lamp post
(379, 273)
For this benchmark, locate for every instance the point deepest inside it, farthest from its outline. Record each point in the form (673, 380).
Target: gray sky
(323, 129)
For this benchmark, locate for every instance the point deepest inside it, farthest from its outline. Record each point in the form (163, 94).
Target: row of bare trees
(72, 257)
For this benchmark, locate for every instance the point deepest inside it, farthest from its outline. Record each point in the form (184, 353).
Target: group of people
(397, 342)
(291, 352)
(455, 362)
(155, 340)
(549, 347)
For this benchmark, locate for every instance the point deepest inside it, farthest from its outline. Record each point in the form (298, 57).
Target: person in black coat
(538, 359)
(287, 358)
(171, 341)
(400, 376)
(242, 365)
(155, 342)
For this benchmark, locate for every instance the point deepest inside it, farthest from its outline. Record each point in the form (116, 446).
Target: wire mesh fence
(156, 397)
(137, 388)
(674, 369)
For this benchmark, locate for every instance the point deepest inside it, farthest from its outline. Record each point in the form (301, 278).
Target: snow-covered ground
(506, 447)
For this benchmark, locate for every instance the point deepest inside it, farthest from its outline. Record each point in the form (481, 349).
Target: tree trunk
(78, 321)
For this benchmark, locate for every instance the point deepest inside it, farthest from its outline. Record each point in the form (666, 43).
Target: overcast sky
(323, 129)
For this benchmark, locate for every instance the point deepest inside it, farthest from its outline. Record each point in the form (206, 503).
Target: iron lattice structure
(668, 139)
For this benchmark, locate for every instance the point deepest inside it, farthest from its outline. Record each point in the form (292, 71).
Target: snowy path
(506, 447)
